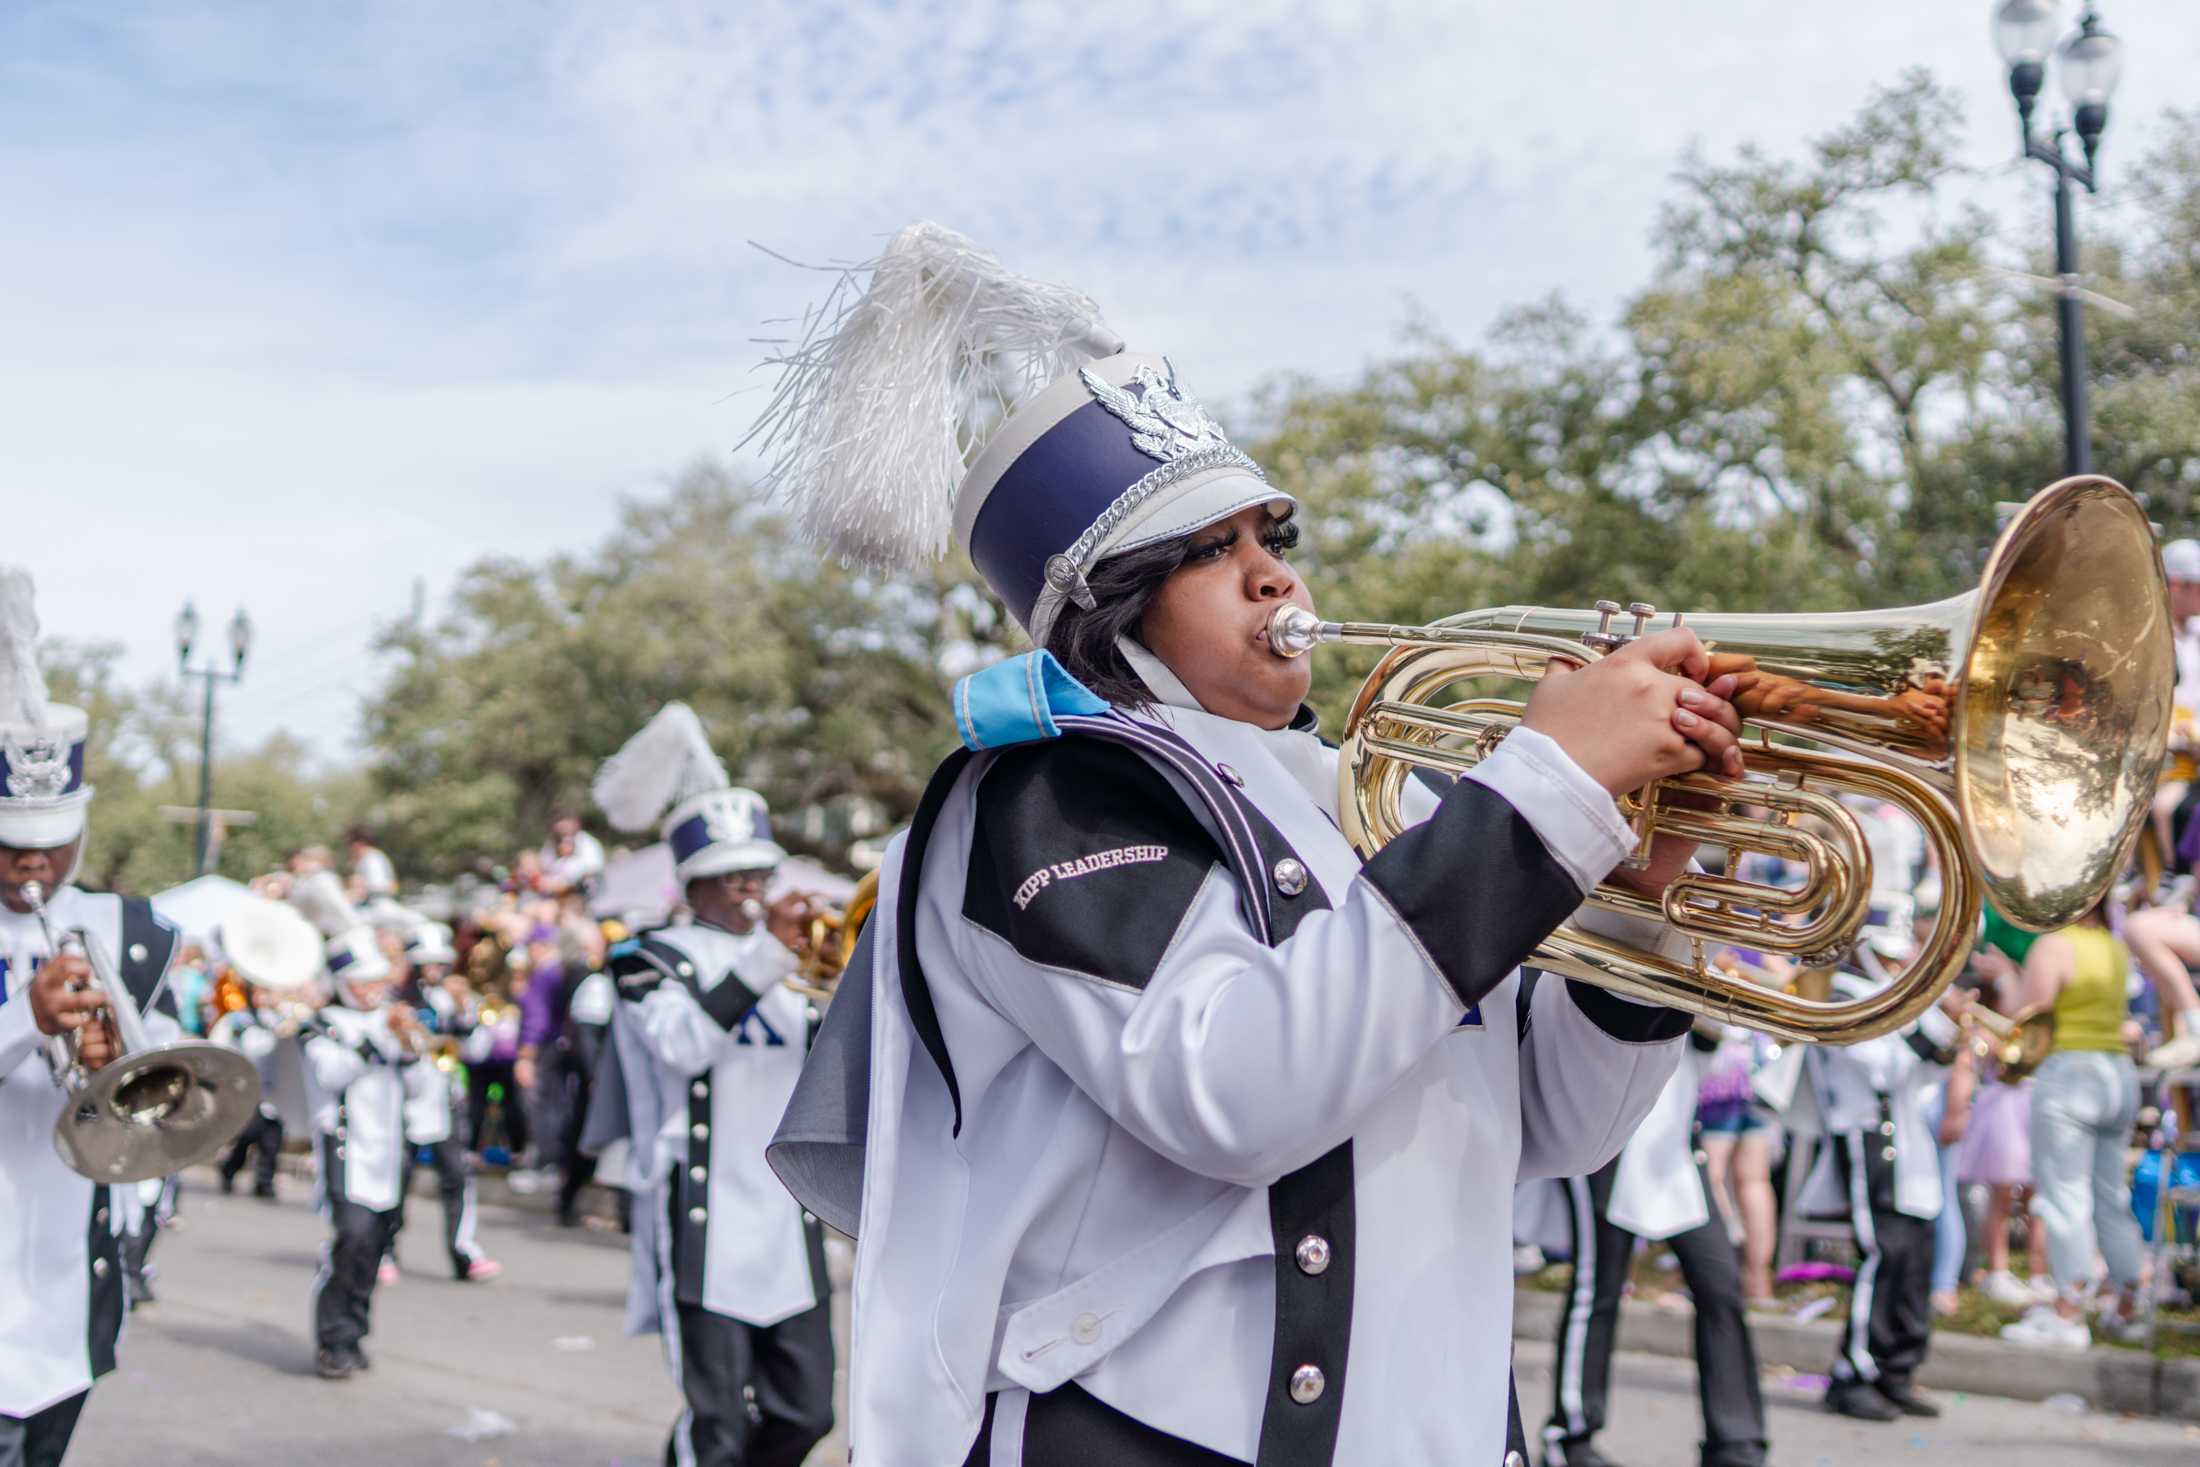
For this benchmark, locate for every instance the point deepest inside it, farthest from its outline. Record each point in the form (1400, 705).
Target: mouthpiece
(34, 892)
(1294, 631)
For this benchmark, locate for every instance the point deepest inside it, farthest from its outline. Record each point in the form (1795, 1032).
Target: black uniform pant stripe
(1890, 1308)
(1727, 1386)
(1070, 1427)
(41, 1438)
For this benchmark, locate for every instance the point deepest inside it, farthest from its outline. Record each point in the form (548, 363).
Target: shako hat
(667, 776)
(1098, 449)
(43, 795)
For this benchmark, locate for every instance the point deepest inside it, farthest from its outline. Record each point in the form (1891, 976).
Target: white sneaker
(2043, 1288)
(2004, 1287)
(2181, 1053)
(2044, 1329)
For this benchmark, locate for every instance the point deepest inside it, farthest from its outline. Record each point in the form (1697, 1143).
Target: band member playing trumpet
(363, 1067)
(1191, 1138)
(419, 959)
(710, 1041)
(61, 1265)
(252, 1032)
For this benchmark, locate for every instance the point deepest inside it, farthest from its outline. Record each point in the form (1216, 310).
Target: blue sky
(308, 302)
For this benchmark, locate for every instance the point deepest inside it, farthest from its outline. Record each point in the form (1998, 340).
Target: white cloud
(311, 303)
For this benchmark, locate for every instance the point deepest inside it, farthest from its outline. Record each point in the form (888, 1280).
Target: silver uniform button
(100, 1216)
(696, 1174)
(137, 952)
(1085, 1328)
(1886, 1128)
(1514, 1459)
(699, 1131)
(699, 1089)
(1307, 1384)
(1312, 1254)
(697, 1214)
(1886, 1153)
(1290, 876)
(687, 970)
(1230, 776)
(99, 1268)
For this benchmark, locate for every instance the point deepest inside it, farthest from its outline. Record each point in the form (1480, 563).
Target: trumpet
(155, 1108)
(2015, 1042)
(2022, 726)
(833, 937)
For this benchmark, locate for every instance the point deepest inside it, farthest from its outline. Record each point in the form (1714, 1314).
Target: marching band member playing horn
(363, 1069)
(419, 958)
(61, 1263)
(1189, 1137)
(709, 1042)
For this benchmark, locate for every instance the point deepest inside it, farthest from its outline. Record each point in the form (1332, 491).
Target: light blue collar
(1017, 701)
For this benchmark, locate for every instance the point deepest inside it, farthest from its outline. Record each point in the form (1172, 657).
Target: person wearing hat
(363, 1069)
(254, 1032)
(1654, 1189)
(1880, 1169)
(61, 1263)
(1190, 1137)
(420, 957)
(710, 1041)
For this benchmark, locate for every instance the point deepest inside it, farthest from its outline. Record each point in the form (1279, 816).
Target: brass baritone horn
(2021, 725)
(833, 938)
(153, 1109)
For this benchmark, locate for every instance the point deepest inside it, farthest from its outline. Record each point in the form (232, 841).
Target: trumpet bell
(156, 1111)
(2064, 720)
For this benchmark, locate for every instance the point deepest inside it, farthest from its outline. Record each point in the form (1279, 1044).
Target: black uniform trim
(1629, 1023)
(637, 966)
(1313, 1310)
(1084, 858)
(690, 1195)
(1924, 1048)
(1475, 932)
(145, 930)
(103, 1283)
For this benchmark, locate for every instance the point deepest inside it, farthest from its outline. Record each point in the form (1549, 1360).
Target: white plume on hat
(668, 761)
(320, 896)
(22, 685)
(869, 427)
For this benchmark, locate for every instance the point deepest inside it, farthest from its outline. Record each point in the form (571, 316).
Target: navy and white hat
(430, 943)
(667, 777)
(1098, 449)
(721, 831)
(356, 957)
(43, 796)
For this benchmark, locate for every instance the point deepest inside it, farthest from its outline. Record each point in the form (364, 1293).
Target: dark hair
(1084, 642)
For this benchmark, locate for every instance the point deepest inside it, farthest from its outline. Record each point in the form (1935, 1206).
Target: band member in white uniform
(1880, 1169)
(253, 1032)
(1174, 1108)
(710, 1042)
(363, 1068)
(1654, 1189)
(61, 1274)
(419, 958)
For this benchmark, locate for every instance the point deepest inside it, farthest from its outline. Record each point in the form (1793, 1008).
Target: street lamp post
(2089, 62)
(240, 642)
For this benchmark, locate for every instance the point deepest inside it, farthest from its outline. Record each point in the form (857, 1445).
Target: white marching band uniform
(1166, 1107)
(62, 1295)
(61, 1304)
(707, 1043)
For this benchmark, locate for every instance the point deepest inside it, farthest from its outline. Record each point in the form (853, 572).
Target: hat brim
(728, 857)
(41, 825)
(1202, 501)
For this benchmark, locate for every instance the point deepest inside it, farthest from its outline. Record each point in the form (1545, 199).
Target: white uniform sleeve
(335, 1064)
(1097, 921)
(674, 1028)
(19, 1036)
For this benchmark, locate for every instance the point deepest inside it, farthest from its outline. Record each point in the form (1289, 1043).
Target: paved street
(219, 1370)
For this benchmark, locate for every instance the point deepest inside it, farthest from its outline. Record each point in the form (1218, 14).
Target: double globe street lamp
(2088, 62)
